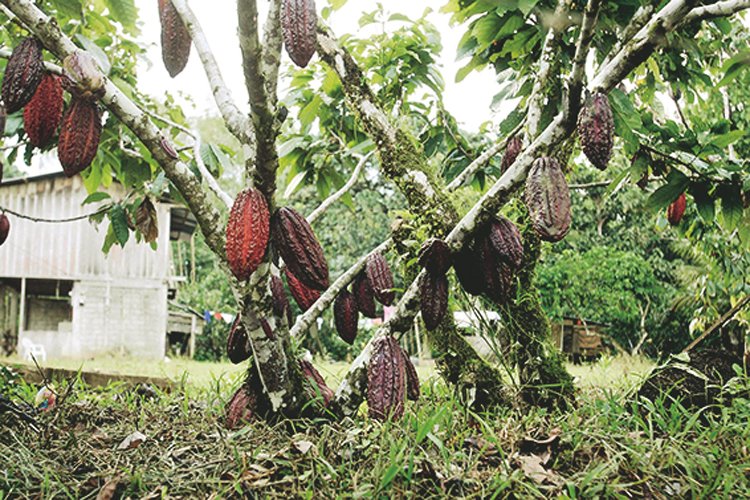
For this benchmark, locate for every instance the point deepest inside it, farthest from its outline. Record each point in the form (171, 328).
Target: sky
(468, 101)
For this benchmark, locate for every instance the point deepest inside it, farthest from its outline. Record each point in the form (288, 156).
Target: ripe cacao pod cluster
(247, 233)
(43, 113)
(242, 408)
(299, 23)
(386, 380)
(676, 210)
(596, 127)
(238, 349)
(175, 39)
(23, 73)
(317, 385)
(296, 243)
(548, 199)
(4, 228)
(512, 150)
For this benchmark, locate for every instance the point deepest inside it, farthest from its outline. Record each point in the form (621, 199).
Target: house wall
(118, 317)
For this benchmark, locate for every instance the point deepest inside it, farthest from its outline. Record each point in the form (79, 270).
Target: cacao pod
(676, 210)
(266, 326)
(79, 135)
(23, 73)
(42, 114)
(548, 199)
(433, 299)
(299, 23)
(506, 241)
(364, 296)
(175, 39)
(498, 276)
(596, 127)
(304, 296)
(467, 263)
(279, 300)
(386, 380)
(412, 379)
(318, 385)
(3, 116)
(346, 316)
(4, 228)
(512, 150)
(435, 256)
(241, 408)
(247, 233)
(238, 349)
(296, 243)
(381, 279)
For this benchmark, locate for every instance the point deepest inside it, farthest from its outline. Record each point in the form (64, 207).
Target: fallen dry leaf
(109, 489)
(132, 441)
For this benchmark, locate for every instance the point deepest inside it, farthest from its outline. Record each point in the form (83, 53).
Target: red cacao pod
(386, 380)
(596, 127)
(295, 241)
(512, 150)
(303, 295)
(242, 408)
(318, 387)
(299, 24)
(676, 210)
(381, 279)
(506, 241)
(23, 73)
(468, 268)
(433, 299)
(435, 256)
(247, 233)
(266, 326)
(346, 316)
(4, 228)
(238, 348)
(548, 199)
(364, 296)
(43, 113)
(412, 379)
(175, 39)
(79, 135)
(279, 300)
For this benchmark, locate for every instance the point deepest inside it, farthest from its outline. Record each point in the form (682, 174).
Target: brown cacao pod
(175, 39)
(498, 276)
(238, 349)
(433, 299)
(468, 268)
(506, 241)
(364, 296)
(4, 228)
(386, 380)
(512, 150)
(435, 256)
(3, 116)
(266, 326)
(79, 135)
(303, 295)
(296, 243)
(247, 233)
(596, 128)
(548, 199)
(42, 114)
(318, 384)
(279, 300)
(346, 316)
(241, 408)
(23, 73)
(676, 210)
(381, 279)
(299, 23)
(412, 379)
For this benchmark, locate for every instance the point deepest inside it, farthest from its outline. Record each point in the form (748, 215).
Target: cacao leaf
(119, 224)
(146, 222)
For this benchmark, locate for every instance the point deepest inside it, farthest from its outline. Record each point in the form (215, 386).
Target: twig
(718, 9)
(590, 16)
(100, 211)
(315, 214)
(210, 179)
(160, 118)
(719, 322)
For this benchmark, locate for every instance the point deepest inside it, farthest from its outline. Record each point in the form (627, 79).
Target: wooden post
(192, 258)
(22, 309)
(191, 342)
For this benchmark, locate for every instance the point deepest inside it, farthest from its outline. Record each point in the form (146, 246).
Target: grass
(609, 446)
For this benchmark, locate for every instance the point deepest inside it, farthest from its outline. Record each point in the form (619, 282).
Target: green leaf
(109, 240)
(295, 184)
(703, 201)
(69, 8)
(731, 206)
(125, 12)
(676, 184)
(100, 56)
(95, 197)
(119, 224)
(724, 140)
(526, 6)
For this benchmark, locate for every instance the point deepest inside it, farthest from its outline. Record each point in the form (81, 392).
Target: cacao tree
(596, 70)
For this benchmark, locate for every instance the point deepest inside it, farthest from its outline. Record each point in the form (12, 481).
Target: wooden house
(578, 338)
(61, 295)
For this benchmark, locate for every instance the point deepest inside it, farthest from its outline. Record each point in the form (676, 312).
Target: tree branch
(641, 17)
(590, 16)
(315, 214)
(718, 9)
(48, 32)
(237, 123)
(272, 44)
